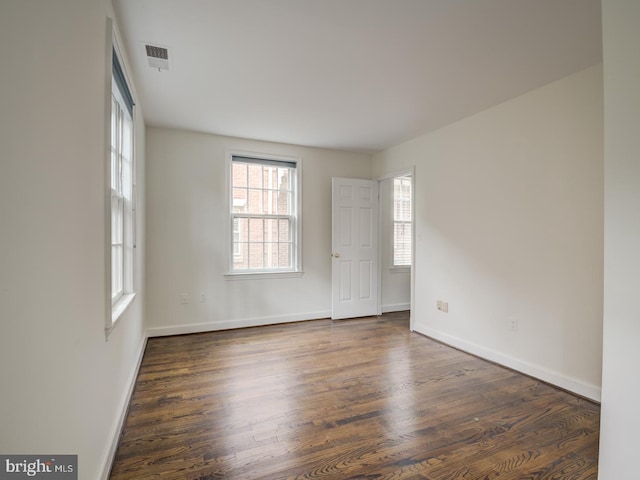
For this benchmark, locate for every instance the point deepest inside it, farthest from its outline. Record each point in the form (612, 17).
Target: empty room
(319, 239)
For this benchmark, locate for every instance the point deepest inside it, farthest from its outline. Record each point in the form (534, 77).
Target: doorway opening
(373, 245)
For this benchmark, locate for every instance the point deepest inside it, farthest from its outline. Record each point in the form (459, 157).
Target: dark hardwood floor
(361, 398)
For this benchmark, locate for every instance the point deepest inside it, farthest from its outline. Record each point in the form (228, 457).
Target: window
(264, 215)
(122, 187)
(402, 221)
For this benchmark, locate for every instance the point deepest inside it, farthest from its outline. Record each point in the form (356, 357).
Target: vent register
(158, 57)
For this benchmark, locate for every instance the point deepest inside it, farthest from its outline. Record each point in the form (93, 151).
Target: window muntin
(402, 226)
(264, 215)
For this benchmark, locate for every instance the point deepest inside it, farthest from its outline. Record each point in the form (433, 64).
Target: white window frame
(121, 180)
(296, 223)
(394, 221)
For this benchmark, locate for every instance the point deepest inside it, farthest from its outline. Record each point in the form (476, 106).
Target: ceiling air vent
(158, 57)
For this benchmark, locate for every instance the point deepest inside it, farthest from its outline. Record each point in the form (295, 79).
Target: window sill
(262, 275)
(402, 269)
(118, 309)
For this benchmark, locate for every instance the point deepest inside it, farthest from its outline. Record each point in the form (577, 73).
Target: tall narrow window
(122, 205)
(402, 221)
(264, 215)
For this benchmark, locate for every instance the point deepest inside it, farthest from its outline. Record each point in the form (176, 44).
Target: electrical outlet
(203, 298)
(445, 307)
(513, 324)
(184, 298)
(439, 304)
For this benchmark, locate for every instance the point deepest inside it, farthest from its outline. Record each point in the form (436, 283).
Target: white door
(354, 248)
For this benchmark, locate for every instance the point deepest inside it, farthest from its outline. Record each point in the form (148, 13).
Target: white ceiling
(357, 75)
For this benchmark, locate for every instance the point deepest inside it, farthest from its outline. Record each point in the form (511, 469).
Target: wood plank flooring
(361, 399)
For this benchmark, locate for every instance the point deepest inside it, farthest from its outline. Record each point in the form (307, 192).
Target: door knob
(337, 255)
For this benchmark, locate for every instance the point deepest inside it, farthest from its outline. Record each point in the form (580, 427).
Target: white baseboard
(123, 408)
(555, 378)
(396, 307)
(238, 323)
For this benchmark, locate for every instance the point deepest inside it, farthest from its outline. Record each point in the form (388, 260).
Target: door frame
(410, 170)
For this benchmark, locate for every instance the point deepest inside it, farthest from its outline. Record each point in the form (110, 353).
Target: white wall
(186, 225)
(620, 420)
(396, 282)
(63, 386)
(509, 225)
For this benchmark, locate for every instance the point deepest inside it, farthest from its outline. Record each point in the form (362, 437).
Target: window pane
(116, 270)
(284, 203)
(398, 233)
(403, 210)
(240, 261)
(284, 232)
(127, 140)
(255, 175)
(239, 174)
(239, 200)
(126, 170)
(114, 170)
(402, 199)
(284, 255)
(256, 260)
(407, 233)
(270, 202)
(255, 202)
(269, 177)
(114, 122)
(271, 255)
(236, 236)
(117, 219)
(283, 178)
(241, 226)
(256, 230)
(240, 245)
(402, 244)
(271, 230)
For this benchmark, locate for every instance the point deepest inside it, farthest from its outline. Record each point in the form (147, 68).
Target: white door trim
(406, 171)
